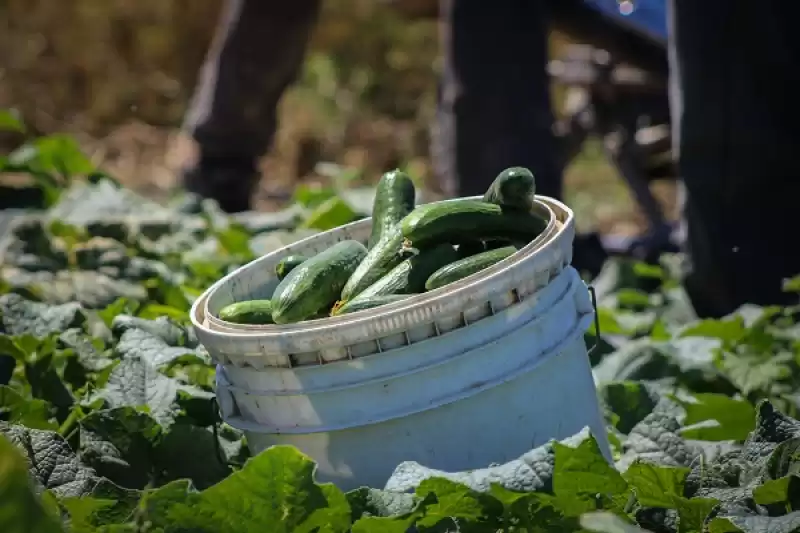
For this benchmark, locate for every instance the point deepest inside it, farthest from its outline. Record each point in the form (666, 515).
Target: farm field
(108, 419)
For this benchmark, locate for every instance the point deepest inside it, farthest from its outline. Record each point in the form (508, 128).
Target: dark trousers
(494, 96)
(256, 54)
(734, 106)
(495, 102)
(734, 76)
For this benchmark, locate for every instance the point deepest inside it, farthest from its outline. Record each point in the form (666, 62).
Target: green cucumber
(248, 312)
(384, 256)
(287, 264)
(466, 267)
(410, 275)
(315, 285)
(360, 304)
(514, 188)
(449, 221)
(394, 199)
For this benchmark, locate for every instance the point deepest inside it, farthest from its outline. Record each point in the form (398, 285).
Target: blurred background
(118, 75)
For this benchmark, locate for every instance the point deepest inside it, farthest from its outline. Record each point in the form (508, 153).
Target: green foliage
(21, 511)
(107, 422)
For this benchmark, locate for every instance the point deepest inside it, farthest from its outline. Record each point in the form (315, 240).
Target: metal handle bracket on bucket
(593, 294)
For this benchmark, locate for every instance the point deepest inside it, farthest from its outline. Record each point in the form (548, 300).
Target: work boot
(588, 254)
(231, 182)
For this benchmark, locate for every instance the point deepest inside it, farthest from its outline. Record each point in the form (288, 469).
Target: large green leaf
(20, 511)
(732, 419)
(275, 490)
(332, 213)
(458, 506)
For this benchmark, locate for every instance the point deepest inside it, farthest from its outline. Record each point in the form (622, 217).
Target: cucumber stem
(338, 305)
(408, 247)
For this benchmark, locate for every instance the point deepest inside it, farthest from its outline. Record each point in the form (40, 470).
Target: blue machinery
(616, 90)
(648, 18)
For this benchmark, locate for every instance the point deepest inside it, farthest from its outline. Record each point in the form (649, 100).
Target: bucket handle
(593, 295)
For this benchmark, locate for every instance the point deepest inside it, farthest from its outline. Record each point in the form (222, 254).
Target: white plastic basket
(408, 321)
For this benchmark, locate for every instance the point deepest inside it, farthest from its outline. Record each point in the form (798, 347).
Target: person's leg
(734, 83)
(257, 52)
(494, 105)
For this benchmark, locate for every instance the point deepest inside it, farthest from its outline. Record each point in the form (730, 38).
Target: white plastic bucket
(477, 372)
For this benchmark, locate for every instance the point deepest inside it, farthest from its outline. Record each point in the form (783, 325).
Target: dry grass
(119, 73)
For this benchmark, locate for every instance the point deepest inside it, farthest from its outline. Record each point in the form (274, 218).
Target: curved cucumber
(466, 267)
(287, 264)
(315, 285)
(248, 312)
(514, 188)
(386, 254)
(410, 275)
(451, 220)
(360, 304)
(394, 199)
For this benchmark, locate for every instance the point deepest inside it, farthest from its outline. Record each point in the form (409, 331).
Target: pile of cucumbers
(410, 250)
